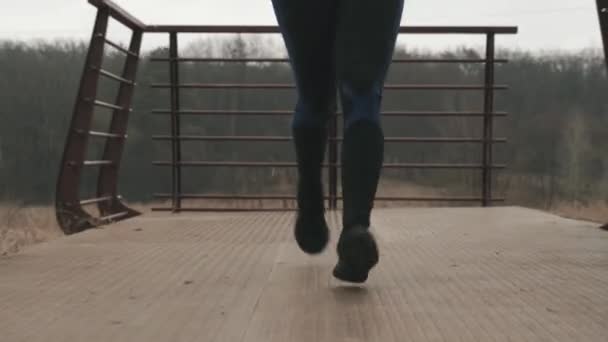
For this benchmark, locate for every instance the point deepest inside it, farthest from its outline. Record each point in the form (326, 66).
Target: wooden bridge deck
(499, 274)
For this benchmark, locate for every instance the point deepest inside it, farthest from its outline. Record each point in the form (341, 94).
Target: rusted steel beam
(70, 215)
(293, 198)
(226, 164)
(176, 151)
(285, 60)
(293, 165)
(274, 29)
(235, 210)
(488, 123)
(292, 86)
(442, 113)
(225, 112)
(602, 10)
(290, 113)
(286, 139)
(219, 197)
(225, 210)
(119, 14)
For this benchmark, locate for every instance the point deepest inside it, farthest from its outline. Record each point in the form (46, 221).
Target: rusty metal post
(107, 185)
(70, 215)
(488, 123)
(602, 10)
(175, 122)
(333, 162)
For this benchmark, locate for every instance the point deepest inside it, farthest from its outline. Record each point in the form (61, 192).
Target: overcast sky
(544, 24)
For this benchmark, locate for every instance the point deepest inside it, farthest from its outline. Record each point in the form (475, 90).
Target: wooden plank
(458, 274)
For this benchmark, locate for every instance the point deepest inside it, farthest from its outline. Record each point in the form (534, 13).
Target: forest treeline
(556, 125)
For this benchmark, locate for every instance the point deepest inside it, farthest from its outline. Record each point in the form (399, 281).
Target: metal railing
(488, 87)
(73, 218)
(70, 208)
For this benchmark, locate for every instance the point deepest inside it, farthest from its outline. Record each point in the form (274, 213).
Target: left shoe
(311, 231)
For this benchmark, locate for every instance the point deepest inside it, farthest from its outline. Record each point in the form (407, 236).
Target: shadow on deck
(445, 274)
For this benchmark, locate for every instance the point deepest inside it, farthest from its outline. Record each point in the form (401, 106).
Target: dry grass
(22, 226)
(596, 212)
(388, 188)
(394, 188)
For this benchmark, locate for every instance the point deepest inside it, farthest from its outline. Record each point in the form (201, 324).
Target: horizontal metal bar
(441, 114)
(101, 134)
(285, 139)
(107, 135)
(289, 113)
(227, 112)
(288, 197)
(116, 45)
(441, 140)
(293, 165)
(449, 61)
(97, 162)
(274, 29)
(119, 14)
(220, 60)
(432, 199)
(113, 76)
(96, 200)
(225, 210)
(108, 105)
(228, 197)
(286, 60)
(114, 217)
(436, 166)
(90, 163)
(226, 164)
(223, 86)
(220, 138)
(292, 86)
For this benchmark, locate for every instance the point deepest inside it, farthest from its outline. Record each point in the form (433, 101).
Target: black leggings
(343, 45)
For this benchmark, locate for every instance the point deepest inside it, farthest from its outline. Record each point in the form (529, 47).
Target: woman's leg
(365, 41)
(308, 30)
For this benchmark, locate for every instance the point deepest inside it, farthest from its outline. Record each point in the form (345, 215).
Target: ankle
(361, 222)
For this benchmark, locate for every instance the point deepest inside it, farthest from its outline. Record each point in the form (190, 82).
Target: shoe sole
(358, 253)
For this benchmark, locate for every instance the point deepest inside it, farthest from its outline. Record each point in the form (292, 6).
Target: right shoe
(358, 254)
(311, 231)
(362, 157)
